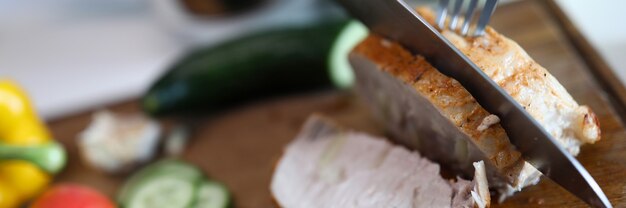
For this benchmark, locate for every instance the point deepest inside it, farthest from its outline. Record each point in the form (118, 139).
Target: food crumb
(385, 43)
(538, 201)
(487, 122)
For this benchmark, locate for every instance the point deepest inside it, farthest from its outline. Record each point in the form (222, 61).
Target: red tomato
(72, 196)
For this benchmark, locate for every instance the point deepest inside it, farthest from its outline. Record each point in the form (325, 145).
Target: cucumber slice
(212, 194)
(176, 174)
(340, 70)
(163, 192)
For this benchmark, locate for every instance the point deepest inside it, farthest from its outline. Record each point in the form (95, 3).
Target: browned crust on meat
(448, 95)
(393, 58)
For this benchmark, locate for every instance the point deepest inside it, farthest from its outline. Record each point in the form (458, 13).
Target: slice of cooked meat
(531, 85)
(326, 166)
(435, 115)
(429, 112)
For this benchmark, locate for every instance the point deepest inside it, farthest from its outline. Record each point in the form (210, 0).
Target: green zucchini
(263, 65)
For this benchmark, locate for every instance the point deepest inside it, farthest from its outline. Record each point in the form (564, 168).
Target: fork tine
(469, 14)
(455, 14)
(442, 13)
(485, 15)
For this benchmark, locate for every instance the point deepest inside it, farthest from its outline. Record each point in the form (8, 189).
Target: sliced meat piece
(531, 85)
(326, 166)
(432, 113)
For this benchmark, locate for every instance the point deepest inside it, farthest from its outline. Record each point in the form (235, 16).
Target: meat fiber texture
(326, 166)
(434, 114)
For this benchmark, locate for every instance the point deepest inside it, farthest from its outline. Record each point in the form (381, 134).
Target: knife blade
(395, 20)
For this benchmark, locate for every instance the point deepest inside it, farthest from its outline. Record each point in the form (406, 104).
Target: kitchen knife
(395, 20)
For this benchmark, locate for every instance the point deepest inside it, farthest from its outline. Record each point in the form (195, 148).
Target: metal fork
(468, 12)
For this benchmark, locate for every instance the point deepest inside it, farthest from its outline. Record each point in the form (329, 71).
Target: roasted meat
(531, 85)
(434, 114)
(326, 166)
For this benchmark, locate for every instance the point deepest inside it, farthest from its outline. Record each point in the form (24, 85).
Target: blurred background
(73, 55)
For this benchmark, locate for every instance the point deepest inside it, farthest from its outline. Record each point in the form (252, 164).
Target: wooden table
(240, 147)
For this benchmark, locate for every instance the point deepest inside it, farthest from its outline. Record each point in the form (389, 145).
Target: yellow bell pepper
(22, 136)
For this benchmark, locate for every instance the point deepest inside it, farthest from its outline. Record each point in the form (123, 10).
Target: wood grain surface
(240, 147)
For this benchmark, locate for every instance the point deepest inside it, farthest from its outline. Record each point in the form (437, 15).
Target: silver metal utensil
(395, 20)
(458, 9)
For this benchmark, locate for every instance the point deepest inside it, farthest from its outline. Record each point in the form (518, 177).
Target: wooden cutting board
(240, 147)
